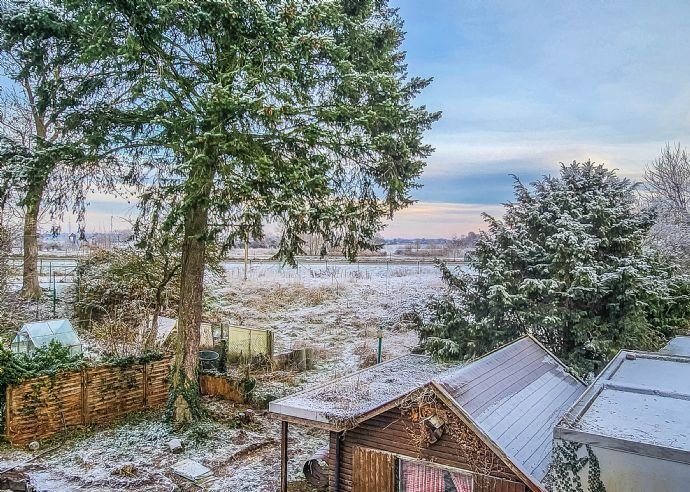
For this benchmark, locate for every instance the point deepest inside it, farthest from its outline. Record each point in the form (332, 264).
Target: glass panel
(415, 477)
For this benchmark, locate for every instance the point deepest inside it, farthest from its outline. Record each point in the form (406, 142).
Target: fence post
(145, 383)
(54, 295)
(85, 414)
(8, 412)
(249, 349)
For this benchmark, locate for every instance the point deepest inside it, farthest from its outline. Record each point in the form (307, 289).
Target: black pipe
(283, 455)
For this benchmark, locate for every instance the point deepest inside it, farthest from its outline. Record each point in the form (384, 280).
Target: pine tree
(246, 112)
(566, 263)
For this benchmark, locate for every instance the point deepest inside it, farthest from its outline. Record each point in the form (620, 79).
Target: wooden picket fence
(44, 406)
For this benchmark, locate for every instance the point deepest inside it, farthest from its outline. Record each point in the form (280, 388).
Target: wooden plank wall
(223, 387)
(375, 471)
(41, 407)
(389, 433)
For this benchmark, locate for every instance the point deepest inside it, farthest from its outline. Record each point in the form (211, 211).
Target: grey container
(208, 359)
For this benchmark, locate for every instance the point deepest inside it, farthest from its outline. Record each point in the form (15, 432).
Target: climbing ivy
(566, 468)
(15, 368)
(132, 360)
(51, 360)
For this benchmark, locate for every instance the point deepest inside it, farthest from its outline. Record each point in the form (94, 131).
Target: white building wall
(629, 472)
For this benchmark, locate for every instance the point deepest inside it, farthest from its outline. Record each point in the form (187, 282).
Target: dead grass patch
(291, 296)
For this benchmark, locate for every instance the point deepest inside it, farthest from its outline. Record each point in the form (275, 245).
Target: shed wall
(392, 432)
(629, 472)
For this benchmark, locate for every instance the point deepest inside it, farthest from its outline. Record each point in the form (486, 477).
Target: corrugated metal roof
(516, 395)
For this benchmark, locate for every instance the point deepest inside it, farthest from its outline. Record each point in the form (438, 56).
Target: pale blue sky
(526, 84)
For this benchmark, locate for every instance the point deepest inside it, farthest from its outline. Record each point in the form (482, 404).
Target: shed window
(416, 477)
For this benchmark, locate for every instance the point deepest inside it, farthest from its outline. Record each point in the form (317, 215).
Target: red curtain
(462, 482)
(420, 478)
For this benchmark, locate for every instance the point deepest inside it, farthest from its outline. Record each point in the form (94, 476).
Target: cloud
(439, 220)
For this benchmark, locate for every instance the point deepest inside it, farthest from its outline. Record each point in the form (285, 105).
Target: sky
(524, 85)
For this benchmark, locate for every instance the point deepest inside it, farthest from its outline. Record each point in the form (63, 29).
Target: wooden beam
(336, 471)
(283, 455)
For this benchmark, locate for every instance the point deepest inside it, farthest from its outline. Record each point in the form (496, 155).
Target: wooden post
(246, 257)
(309, 358)
(8, 412)
(299, 358)
(283, 455)
(145, 384)
(336, 468)
(85, 414)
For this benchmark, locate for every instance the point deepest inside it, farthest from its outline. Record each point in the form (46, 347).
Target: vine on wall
(567, 465)
(49, 361)
(470, 448)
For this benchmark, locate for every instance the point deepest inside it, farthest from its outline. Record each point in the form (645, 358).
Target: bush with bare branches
(668, 186)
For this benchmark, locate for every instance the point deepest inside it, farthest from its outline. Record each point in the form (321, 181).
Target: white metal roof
(639, 404)
(42, 332)
(677, 346)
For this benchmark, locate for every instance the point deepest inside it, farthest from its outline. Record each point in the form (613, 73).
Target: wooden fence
(41, 407)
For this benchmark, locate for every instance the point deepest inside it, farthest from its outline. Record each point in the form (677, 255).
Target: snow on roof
(359, 393)
(640, 404)
(677, 346)
(516, 395)
(42, 332)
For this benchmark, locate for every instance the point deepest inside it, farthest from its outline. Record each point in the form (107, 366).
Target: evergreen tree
(567, 264)
(298, 113)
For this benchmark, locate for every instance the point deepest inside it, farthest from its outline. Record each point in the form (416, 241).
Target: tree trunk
(31, 289)
(151, 334)
(183, 403)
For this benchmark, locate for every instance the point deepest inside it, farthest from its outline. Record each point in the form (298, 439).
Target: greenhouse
(41, 333)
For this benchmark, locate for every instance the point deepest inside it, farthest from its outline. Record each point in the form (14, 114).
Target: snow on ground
(336, 308)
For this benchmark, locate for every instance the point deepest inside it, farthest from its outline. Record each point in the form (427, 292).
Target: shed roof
(677, 346)
(42, 332)
(639, 404)
(347, 398)
(516, 395)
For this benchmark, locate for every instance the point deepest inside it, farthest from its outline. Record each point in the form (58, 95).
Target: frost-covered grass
(133, 456)
(335, 309)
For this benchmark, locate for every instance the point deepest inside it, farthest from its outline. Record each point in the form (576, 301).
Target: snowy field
(335, 308)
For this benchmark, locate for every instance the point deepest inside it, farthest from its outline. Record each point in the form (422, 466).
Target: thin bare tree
(668, 192)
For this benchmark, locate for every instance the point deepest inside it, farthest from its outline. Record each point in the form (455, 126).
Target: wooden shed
(409, 425)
